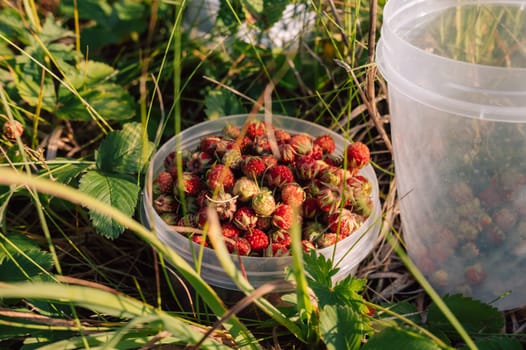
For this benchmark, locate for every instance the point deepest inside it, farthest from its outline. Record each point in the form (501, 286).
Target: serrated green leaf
(504, 342)
(90, 73)
(124, 151)
(219, 103)
(341, 327)
(21, 259)
(118, 191)
(475, 316)
(404, 309)
(399, 338)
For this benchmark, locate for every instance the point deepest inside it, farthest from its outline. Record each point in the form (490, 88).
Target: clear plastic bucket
(259, 270)
(456, 72)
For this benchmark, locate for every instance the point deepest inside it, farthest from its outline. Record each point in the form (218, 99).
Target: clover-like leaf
(119, 191)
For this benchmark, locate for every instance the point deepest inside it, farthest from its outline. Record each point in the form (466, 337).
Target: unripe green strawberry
(312, 230)
(245, 218)
(330, 176)
(170, 218)
(232, 158)
(292, 194)
(245, 189)
(257, 239)
(165, 203)
(326, 240)
(278, 175)
(358, 156)
(283, 216)
(220, 177)
(362, 204)
(238, 246)
(264, 203)
(231, 131)
(301, 143)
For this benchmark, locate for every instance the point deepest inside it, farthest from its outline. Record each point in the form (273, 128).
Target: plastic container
(456, 72)
(349, 252)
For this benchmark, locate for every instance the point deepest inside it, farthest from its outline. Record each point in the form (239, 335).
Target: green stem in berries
(430, 291)
(240, 333)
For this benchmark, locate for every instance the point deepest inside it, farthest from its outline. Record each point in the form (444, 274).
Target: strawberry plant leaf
(219, 103)
(24, 262)
(119, 191)
(475, 316)
(124, 151)
(399, 338)
(504, 342)
(340, 327)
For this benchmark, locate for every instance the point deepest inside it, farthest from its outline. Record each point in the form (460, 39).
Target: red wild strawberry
(256, 128)
(269, 160)
(190, 184)
(165, 181)
(264, 203)
(253, 167)
(301, 143)
(308, 246)
(278, 176)
(358, 156)
(306, 168)
(201, 218)
(344, 222)
(281, 237)
(283, 216)
(257, 239)
(316, 152)
(326, 143)
(238, 245)
(264, 223)
(292, 194)
(209, 144)
(198, 162)
(229, 230)
(200, 239)
(245, 218)
(280, 250)
(326, 240)
(13, 129)
(220, 176)
(310, 208)
(169, 160)
(282, 136)
(261, 145)
(328, 199)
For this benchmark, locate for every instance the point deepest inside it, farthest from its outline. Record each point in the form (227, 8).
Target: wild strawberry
(343, 222)
(190, 184)
(330, 176)
(328, 199)
(165, 181)
(264, 203)
(264, 223)
(292, 194)
(282, 136)
(245, 218)
(261, 145)
(208, 144)
(475, 274)
(278, 176)
(282, 237)
(332, 159)
(256, 128)
(269, 160)
(232, 158)
(253, 167)
(257, 239)
(326, 143)
(362, 204)
(238, 245)
(326, 240)
(201, 218)
(358, 156)
(229, 230)
(169, 160)
(470, 250)
(245, 189)
(283, 216)
(316, 152)
(200, 239)
(301, 143)
(187, 220)
(287, 154)
(220, 176)
(505, 218)
(231, 131)
(310, 208)
(312, 230)
(440, 278)
(307, 168)
(13, 129)
(225, 205)
(169, 218)
(280, 250)
(198, 162)
(307, 246)
(165, 203)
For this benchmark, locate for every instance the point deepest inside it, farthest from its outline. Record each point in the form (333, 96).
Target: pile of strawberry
(263, 182)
